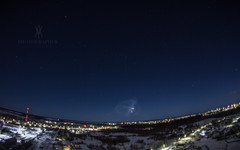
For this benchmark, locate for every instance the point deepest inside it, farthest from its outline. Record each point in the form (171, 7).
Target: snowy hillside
(214, 131)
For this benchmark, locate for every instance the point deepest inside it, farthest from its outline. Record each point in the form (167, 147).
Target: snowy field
(218, 133)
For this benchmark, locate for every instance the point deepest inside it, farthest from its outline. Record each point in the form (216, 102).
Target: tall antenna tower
(27, 114)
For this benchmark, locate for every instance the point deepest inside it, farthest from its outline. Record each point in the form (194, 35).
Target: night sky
(116, 61)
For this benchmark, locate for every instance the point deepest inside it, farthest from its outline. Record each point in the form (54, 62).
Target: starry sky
(116, 61)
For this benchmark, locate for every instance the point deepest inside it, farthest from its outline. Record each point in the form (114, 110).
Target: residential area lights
(167, 120)
(78, 128)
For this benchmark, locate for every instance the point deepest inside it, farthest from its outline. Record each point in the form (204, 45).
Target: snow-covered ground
(214, 133)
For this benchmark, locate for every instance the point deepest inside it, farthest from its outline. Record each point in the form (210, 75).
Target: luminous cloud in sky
(128, 108)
